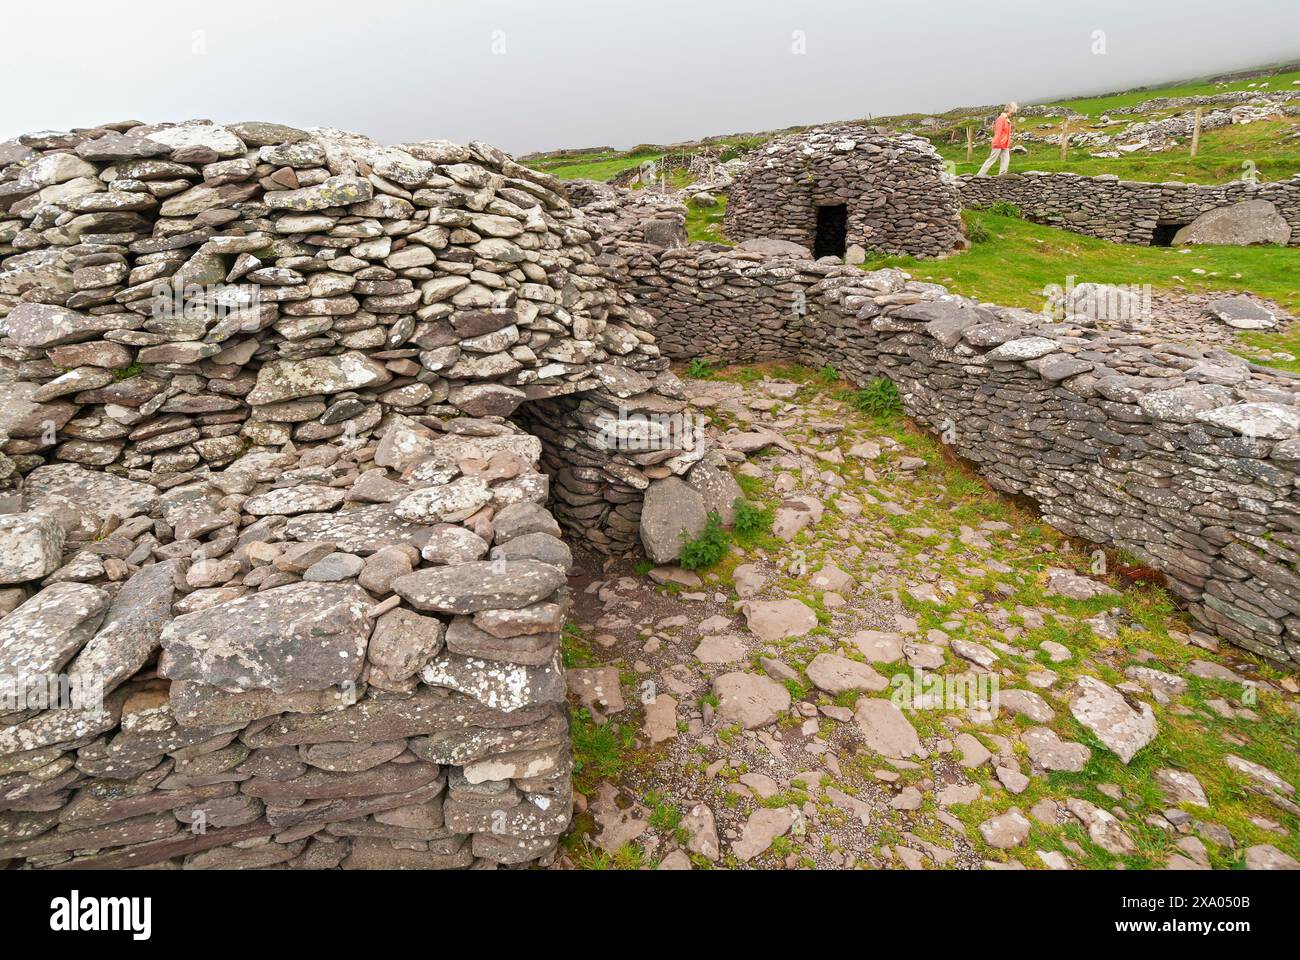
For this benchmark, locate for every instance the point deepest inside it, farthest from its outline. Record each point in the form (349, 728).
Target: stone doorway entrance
(832, 223)
(1163, 235)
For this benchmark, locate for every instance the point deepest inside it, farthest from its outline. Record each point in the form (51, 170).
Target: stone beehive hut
(266, 504)
(836, 187)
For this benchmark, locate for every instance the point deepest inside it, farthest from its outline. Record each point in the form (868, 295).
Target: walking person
(1001, 140)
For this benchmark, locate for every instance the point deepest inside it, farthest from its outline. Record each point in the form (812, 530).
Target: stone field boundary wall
(1187, 458)
(1124, 211)
(263, 482)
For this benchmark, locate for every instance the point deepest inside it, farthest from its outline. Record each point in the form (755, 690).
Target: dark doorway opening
(1164, 234)
(832, 224)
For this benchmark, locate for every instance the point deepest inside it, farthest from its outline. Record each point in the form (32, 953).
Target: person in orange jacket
(1001, 140)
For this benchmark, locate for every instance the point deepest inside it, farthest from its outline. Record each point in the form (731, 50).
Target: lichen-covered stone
(31, 546)
(304, 636)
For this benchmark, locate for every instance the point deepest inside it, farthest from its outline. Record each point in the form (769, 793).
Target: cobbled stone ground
(893, 558)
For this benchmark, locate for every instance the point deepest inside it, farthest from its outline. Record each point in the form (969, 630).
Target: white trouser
(994, 154)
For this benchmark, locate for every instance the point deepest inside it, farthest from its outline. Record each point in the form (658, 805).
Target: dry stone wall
(1184, 456)
(1124, 211)
(262, 485)
(898, 197)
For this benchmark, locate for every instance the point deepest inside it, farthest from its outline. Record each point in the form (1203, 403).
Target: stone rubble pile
(1160, 134)
(257, 478)
(1155, 136)
(635, 216)
(1231, 97)
(894, 186)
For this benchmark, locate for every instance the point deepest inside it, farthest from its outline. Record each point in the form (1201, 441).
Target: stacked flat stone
(294, 533)
(344, 658)
(899, 199)
(1124, 211)
(1187, 457)
(725, 306)
(429, 278)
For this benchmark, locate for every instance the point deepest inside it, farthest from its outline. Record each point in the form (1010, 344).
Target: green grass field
(1226, 153)
(1020, 260)
(704, 224)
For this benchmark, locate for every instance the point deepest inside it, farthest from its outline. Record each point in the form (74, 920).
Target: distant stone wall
(1185, 457)
(897, 196)
(1228, 98)
(1124, 211)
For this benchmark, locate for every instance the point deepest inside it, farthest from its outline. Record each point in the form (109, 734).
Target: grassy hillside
(1096, 106)
(607, 164)
(1272, 146)
(1268, 146)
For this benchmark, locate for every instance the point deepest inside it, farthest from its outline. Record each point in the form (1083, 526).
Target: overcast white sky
(535, 74)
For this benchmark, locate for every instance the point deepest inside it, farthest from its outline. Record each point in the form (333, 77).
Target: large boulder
(711, 479)
(1242, 224)
(671, 509)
